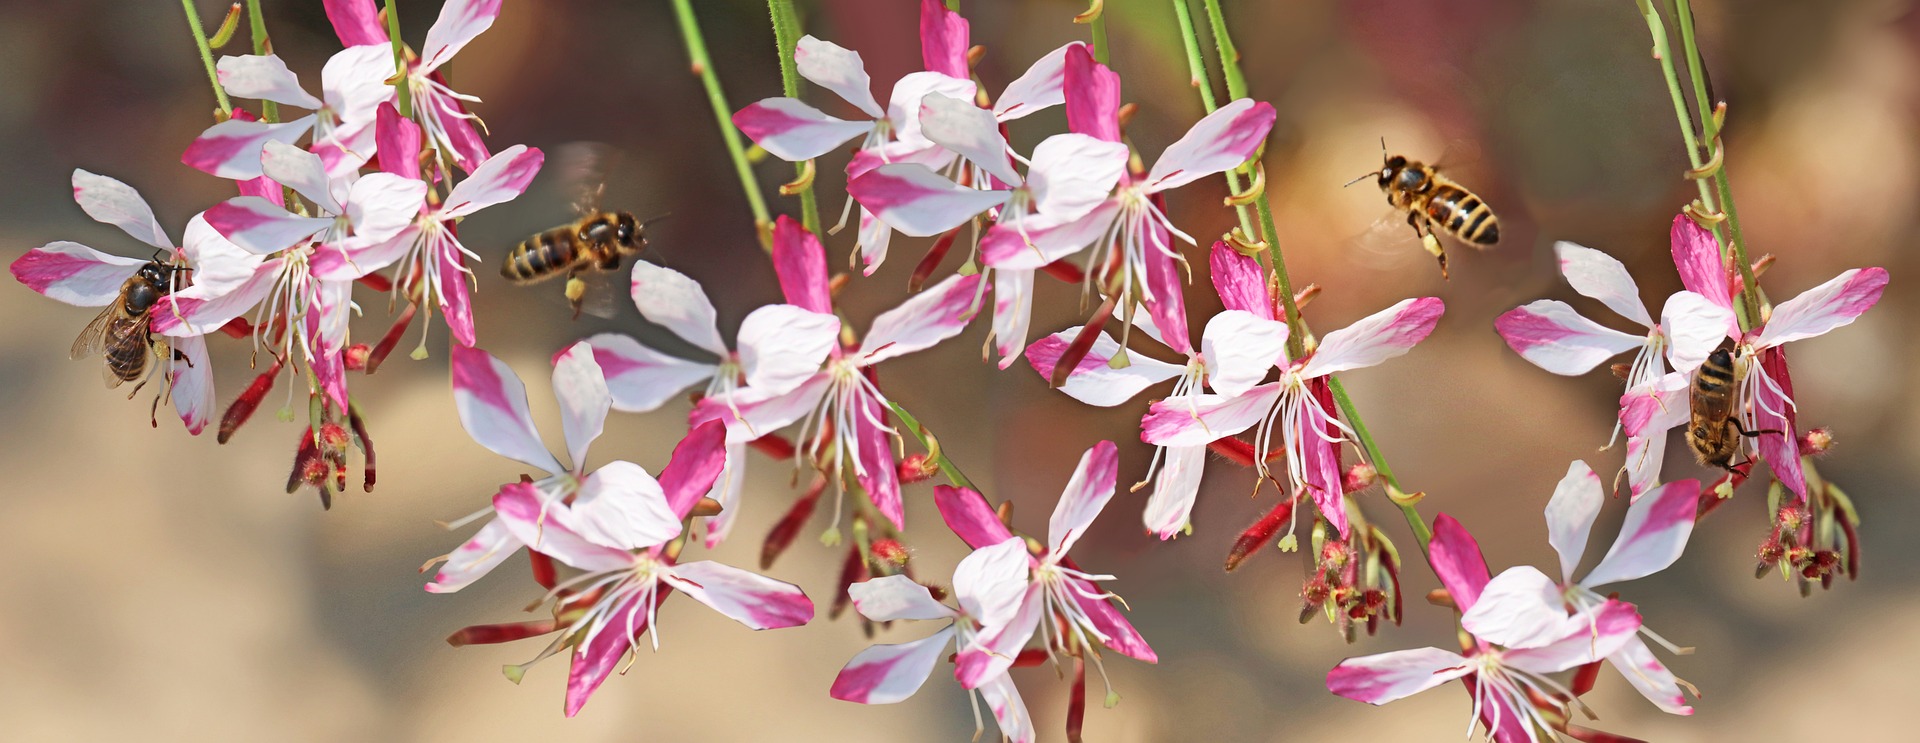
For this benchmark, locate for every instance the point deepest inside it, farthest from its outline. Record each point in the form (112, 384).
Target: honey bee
(1432, 200)
(120, 331)
(1715, 432)
(595, 242)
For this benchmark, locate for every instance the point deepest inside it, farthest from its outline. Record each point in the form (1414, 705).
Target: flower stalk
(1710, 123)
(257, 26)
(786, 35)
(703, 68)
(405, 96)
(206, 57)
(926, 439)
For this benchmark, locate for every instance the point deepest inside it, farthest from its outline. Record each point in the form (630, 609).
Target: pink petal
(968, 515)
(1456, 560)
(1165, 301)
(356, 22)
(782, 346)
(881, 479)
(1086, 494)
(1570, 513)
(460, 135)
(992, 651)
(1196, 420)
(1175, 487)
(1093, 381)
(1383, 335)
(1382, 678)
(1550, 334)
(1696, 255)
(943, 39)
(1653, 536)
(1240, 281)
(1092, 95)
(492, 404)
(838, 69)
(260, 226)
(1320, 457)
(264, 78)
(456, 300)
(1656, 408)
(479, 555)
(727, 489)
(196, 309)
(1071, 174)
(749, 598)
(109, 201)
(885, 674)
(923, 321)
(794, 131)
(1600, 276)
(1825, 307)
(231, 148)
(903, 106)
(895, 597)
(1012, 312)
(1520, 608)
(621, 506)
(671, 300)
(1122, 638)
(1649, 676)
(1041, 87)
(548, 528)
(969, 131)
(801, 265)
(74, 273)
(1240, 349)
(919, 202)
(398, 141)
(500, 179)
(1773, 411)
(1225, 138)
(695, 466)
(190, 383)
(593, 663)
(1585, 637)
(1009, 712)
(581, 388)
(459, 22)
(639, 378)
(1040, 239)
(1694, 326)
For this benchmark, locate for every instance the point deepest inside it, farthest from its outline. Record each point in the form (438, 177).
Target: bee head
(627, 231)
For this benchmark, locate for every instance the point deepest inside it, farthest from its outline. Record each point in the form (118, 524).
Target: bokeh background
(163, 586)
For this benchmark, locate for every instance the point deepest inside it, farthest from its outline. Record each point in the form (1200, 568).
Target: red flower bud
(1257, 535)
(891, 552)
(917, 467)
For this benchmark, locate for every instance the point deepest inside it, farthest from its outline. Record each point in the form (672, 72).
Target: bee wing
(93, 339)
(1388, 244)
(129, 331)
(582, 168)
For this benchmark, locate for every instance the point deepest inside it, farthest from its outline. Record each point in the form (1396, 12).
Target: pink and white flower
(440, 111)
(886, 674)
(840, 403)
(1296, 405)
(1048, 593)
(352, 83)
(1652, 538)
(1502, 679)
(81, 276)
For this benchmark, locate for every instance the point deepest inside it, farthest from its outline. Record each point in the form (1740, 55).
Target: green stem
(927, 440)
(402, 78)
(1100, 37)
(1229, 55)
(257, 23)
(1197, 68)
(1736, 242)
(786, 35)
(722, 114)
(1412, 513)
(206, 57)
(1663, 52)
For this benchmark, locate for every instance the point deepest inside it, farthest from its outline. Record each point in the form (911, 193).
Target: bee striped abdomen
(126, 351)
(1711, 401)
(540, 257)
(1463, 215)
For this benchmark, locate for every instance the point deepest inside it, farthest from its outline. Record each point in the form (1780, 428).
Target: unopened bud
(891, 552)
(1761, 266)
(1440, 597)
(706, 507)
(1791, 518)
(1256, 536)
(974, 53)
(1816, 442)
(1126, 114)
(333, 438)
(1403, 498)
(1305, 296)
(1360, 477)
(355, 357)
(917, 467)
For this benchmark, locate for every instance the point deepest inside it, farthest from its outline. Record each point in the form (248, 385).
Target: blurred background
(163, 586)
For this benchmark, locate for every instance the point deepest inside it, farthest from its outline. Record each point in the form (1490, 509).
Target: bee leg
(576, 290)
(1429, 242)
(1751, 434)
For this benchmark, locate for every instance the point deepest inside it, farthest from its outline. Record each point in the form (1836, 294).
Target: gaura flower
(352, 83)
(603, 611)
(886, 674)
(1048, 592)
(81, 276)
(1297, 405)
(1502, 680)
(844, 411)
(781, 345)
(440, 111)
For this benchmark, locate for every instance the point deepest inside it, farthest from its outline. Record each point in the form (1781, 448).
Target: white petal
(299, 170)
(885, 674)
(492, 404)
(838, 69)
(1225, 138)
(1599, 276)
(1570, 514)
(261, 226)
(639, 378)
(782, 346)
(913, 199)
(748, 598)
(923, 321)
(1653, 536)
(1094, 381)
(1649, 676)
(1550, 334)
(75, 274)
(622, 506)
(1073, 173)
(1037, 89)
(1824, 307)
(1519, 608)
(794, 131)
(1174, 489)
(263, 78)
(895, 597)
(381, 205)
(671, 300)
(903, 105)
(1012, 312)
(1383, 335)
(474, 558)
(1086, 495)
(459, 22)
(968, 130)
(581, 388)
(231, 148)
(111, 202)
(1694, 326)
(991, 581)
(1197, 420)
(1240, 348)
(191, 382)
(501, 178)
(1382, 678)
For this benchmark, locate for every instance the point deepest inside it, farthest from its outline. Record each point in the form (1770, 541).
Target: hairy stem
(405, 94)
(786, 35)
(257, 24)
(206, 56)
(926, 439)
(722, 114)
(1736, 242)
(1100, 37)
(1197, 67)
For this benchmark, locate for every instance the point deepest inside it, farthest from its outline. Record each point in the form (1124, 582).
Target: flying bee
(1432, 200)
(1715, 431)
(595, 242)
(120, 331)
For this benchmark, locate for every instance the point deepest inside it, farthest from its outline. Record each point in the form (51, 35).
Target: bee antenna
(1383, 148)
(655, 218)
(1363, 176)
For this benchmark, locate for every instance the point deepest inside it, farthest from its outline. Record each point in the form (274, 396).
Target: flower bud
(917, 467)
(1816, 442)
(355, 357)
(891, 552)
(1360, 477)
